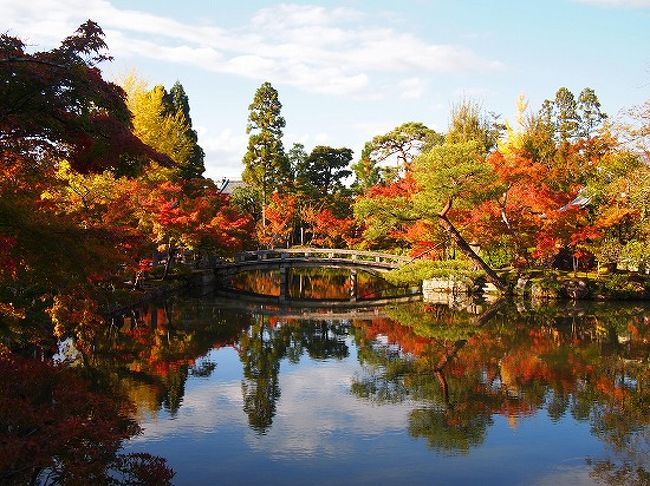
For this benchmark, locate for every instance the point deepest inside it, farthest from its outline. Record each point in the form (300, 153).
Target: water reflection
(152, 352)
(265, 344)
(55, 428)
(448, 378)
(589, 364)
(316, 284)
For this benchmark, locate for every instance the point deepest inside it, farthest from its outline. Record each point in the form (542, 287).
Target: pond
(412, 393)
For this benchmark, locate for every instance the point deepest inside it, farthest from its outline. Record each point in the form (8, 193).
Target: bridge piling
(284, 283)
(354, 287)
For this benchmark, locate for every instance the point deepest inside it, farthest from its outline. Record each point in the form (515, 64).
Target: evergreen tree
(323, 170)
(455, 175)
(569, 120)
(566, 115)
(591, 117)
(266, 166)
(367, 172)
(178, 102)
(297, 159)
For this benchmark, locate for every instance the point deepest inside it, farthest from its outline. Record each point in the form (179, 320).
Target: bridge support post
(354, 286)
(284, 283)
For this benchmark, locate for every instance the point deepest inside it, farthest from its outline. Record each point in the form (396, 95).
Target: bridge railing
(329, 253)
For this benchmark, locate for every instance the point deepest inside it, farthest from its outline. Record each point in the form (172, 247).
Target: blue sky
(349, 70)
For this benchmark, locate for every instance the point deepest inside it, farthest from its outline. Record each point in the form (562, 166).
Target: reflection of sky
(315, 405)
(322, 433)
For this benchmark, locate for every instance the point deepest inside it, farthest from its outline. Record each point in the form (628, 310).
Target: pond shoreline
(551, 285)
(154, 290)
(567, 286)
(531, 286)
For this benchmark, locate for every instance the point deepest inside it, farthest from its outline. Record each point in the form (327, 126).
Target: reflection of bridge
(339, 306)
(308, 310)
(282, 260)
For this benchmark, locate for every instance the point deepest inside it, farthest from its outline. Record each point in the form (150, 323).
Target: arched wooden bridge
(283, 259)
(318, 257)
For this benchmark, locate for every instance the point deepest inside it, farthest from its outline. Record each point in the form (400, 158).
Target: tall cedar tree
(266, 166)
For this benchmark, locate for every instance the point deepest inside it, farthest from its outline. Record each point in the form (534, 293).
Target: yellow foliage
(85, 194)
(514, 136)
(153, 124)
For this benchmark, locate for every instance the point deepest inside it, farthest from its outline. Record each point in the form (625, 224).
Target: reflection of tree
(464, 369)
(261, 350)
(325, 341)
(174, 383)
(313, 283)
(319, 283)
(620, 416)
(265, 344)
(441, 433)
(55, 429)
(153, 351)
(263, 282)
(608, 472)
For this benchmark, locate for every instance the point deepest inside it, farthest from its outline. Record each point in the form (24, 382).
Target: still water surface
(323, 284)
(415, 393)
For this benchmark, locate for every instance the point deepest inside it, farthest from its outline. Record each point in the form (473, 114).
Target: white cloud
(411, 88)
(322, 138)
(289, 15)
(314, 48)
(308, 140)
(472, 93)
(619, 3)
(223, 152)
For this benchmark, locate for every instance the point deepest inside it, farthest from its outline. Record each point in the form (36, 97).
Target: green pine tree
(266, 166)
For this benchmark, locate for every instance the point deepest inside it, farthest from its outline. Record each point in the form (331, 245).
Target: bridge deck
(253, 260)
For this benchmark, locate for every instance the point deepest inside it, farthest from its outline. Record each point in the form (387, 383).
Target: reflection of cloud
(315, 412)
(204, 409)
(315, 48)
(573, 475)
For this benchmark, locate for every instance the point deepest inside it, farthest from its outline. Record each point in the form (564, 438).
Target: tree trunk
(444, 387)
(264, 210)
(464, 247)
(170, 255)
(502, 206)
(264, 205)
